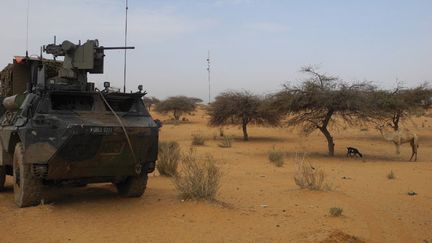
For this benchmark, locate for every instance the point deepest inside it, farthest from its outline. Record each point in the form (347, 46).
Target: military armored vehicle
(56, 128)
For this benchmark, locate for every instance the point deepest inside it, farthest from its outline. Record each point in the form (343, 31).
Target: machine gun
(78, 61)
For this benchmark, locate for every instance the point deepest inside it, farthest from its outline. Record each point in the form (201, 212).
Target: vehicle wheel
(133, 186)
(27, 188)
(2, 177)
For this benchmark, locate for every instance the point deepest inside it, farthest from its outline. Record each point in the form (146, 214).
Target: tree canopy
(394, 106)
(313, 104)
(242, 108)
(150, 101)
(178, 105)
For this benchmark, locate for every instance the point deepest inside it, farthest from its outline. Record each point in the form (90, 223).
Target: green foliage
(168, 158)
(178, 105)
(313, 104)
(276, 157)
(150, 101)
(199, 179)
(394, 106)
(242, 108)
(335, 211)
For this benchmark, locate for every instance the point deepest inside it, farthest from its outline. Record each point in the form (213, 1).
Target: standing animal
(399, 137)
(351, 152)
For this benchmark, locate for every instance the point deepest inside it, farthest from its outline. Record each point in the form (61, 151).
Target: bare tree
(314, 103)
(178, 105)
(242, 108)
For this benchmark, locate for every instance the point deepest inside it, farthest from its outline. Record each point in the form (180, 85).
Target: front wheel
(27, 188)
(2, 177)
(133, 186)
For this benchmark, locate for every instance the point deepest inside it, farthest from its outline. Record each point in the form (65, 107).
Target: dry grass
(310, 177)
(335, 212)
(391, 175)
(198, 179)
(168, 158)
(198, 139)
(276, 157)
(226, 142)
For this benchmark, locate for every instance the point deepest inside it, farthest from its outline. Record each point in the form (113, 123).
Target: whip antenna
(27, 26)
(125, 51)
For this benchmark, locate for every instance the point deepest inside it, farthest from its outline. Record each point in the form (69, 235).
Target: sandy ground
(258, 202)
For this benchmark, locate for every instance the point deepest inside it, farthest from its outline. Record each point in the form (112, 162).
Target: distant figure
(352, 152)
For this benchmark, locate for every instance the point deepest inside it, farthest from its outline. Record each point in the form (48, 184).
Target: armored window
(74, 102)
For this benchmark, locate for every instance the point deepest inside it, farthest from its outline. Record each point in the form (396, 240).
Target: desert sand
(257, 202)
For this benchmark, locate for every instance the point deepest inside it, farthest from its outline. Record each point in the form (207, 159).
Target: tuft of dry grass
(310, 177)
(226, 142)
(276, 157)
(168, 158)
(335, 211)
(199, 179)
(198, 139)
(391, 175)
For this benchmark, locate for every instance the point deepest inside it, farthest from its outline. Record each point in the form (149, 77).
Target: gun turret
(80, 59)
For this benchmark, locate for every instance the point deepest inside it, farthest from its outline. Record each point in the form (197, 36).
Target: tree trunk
(244, 126)
(176, 115)
(395, 120)
(245, 134)
(330, 142)
(327, 134)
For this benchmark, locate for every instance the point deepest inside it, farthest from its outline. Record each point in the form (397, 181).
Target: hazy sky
(256, 45)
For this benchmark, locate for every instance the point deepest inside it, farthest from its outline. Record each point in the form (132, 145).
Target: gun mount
(78, 61)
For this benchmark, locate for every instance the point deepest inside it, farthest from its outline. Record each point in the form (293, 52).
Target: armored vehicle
(56, 128)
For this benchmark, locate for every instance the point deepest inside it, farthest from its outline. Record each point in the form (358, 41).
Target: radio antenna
(125, 51)
(27, 26)
(208, 70)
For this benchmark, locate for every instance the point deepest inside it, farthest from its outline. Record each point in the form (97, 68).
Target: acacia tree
(178, 105)
(395, 106)
(314, 103)
(150, 101)
(242, 108)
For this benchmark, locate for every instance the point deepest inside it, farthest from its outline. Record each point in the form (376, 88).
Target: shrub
(226, 142)
(276, 157)
(198, 139)
(198, 179)
(168, 158)
(335, 212)
(391, 175)
(309, 177)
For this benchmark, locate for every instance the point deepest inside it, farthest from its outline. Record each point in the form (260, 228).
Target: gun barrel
(117, 47)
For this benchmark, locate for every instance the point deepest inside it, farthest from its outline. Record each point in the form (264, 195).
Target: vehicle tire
(2, 177)
(27, 188)
(133, 186)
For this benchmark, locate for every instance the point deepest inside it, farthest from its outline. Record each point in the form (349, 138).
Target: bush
(198, 139)
(391, 175)
(168, 158)
(198, 180)
(335, 212)
(226, 142)
(276, 157)
(309, 177)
